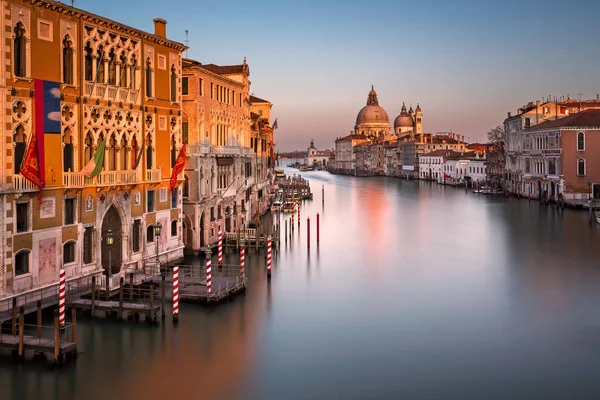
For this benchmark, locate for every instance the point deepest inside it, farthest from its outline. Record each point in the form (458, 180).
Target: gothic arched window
(173, 151)
(148, 152)
(67, 61)
(148, 78)
(133, 74)
(89, 151)
(124, 153)
(68, 151)
(100, 75)
(123, 72)
(134, 150)
(173, 83)
(89, 63)
(112, 153)
(20, 141)
(112, 68)
(20, 50)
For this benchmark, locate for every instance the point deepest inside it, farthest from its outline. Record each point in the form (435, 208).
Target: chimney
(508, 114)
(160, 27)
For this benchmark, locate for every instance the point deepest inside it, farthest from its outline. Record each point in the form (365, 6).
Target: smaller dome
(403, 121)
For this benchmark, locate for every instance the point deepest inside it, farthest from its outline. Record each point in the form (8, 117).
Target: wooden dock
(121, 309)
(226, 283)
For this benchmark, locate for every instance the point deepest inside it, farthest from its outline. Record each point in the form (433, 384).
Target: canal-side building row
(227, 173)
(77, 88)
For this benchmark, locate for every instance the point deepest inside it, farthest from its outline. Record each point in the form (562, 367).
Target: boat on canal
(288, 206)
(277, 205)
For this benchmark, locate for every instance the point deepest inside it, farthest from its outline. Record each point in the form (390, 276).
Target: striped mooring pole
(308, 232)
(317, 229)
(269, 257)
(298, 201)
(293, 214)
(175, 294)
(220, 248)
(61, 298)
(242, 259)
(208, 273)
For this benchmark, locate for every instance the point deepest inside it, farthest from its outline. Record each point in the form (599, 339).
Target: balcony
(103, 91)
(227, 150)
(72, 180)
(21, 184)
(112, 178)
(153, 175)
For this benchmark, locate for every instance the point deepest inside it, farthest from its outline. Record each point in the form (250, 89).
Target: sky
(467, 63)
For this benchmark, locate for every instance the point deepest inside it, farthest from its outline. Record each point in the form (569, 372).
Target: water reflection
(414, 291)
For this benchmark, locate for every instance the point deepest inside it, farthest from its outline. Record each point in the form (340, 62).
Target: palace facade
(111, 84)
(227, 173)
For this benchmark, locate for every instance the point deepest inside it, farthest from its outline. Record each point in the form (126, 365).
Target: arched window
(88, 151)
(135, 149)
(133, 73)
(184, 128)
(580, 141)
(186, 187)
(173, 83)
(123, 71)
(69, 252)
(89, 62)
(124, 154)
(581, 167)
(148, 78)
(150, 234)
(68, 152)
(100, 75)
(173, 151)
(112, 68)
(112, 153)
(174, 227)
(88, 245)
(20, 50)
(148, 152)
(67, 61)
(20, 141)
(22, 262)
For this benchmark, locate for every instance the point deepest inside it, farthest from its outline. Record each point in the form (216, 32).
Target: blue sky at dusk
(466, 62)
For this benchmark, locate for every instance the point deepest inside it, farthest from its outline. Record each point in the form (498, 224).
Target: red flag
(30, 168)
(178, 167)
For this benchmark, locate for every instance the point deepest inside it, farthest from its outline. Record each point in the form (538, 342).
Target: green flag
(94, 166)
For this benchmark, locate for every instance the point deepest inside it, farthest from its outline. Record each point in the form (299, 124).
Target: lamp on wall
(157, 230)
(109, 242)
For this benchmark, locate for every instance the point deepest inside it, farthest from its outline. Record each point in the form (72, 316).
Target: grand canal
(414, 291)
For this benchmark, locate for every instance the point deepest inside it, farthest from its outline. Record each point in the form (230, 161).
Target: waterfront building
(495, 165)
(411, 146)
(344, 161)
(390, 149)
(230, 151)
(560, 158)
(317, 158)
(448, 166)
(83, 88)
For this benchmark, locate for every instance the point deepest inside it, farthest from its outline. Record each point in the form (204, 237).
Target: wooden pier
(226, 283)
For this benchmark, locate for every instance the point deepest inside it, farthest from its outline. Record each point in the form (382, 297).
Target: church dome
(372, 112)
(403, 121)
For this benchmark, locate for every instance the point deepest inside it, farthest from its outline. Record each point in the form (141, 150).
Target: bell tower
(418, 119)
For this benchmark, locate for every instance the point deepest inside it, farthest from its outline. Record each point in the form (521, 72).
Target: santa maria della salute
(373, 123)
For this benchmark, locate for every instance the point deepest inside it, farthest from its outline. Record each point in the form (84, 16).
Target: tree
(496, 134)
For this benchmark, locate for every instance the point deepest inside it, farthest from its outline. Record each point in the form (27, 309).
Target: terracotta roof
(586, 118)
(224, 69)
(254, 99)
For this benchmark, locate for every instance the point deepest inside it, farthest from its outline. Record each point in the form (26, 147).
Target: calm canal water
(415, 291)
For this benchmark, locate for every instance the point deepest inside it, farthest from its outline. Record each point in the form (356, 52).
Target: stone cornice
(107, 23)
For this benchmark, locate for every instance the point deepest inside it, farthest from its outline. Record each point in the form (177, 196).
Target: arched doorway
(540, 190)
(228, 219)
(552, 191)
(201, 231)
(112, 222)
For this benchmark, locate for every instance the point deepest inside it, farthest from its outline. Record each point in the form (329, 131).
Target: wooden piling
(39, 318)
(56, 337)
(121, 293)
(317, 227)
(163, 295)
(14, 316)
(93, 295)
(152, 303)
(74, 322)
(131, 286)
(21, 331)
(308, 232)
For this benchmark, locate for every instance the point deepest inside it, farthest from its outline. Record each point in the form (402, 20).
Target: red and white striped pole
(269, 257)
(242, 259)
(175, 294)
(298, 201)
(220, 248)
(61, 298)
(293, 212)
(317, 228)
(208, 273)
(308, 232)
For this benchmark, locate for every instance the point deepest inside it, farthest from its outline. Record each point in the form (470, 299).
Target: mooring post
(121, 289)
(74, 322)
(163, 295)
(56, 337)
(323, 194)
(317, 228)
(269, 257)
(286, 230)
(243, 259)
(93, 295)
(152, 302)
(175, 295)
(308, 232)
(21, 331)
(208, 273)
(131, 286)
(14, 316)
(39, 318)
